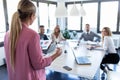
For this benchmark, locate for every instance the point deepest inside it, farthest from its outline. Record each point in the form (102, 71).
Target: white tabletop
(67, 59)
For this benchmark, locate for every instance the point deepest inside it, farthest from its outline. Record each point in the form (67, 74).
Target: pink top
(29, 62)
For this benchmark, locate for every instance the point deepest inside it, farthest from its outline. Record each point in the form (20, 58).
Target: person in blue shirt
(42, 35)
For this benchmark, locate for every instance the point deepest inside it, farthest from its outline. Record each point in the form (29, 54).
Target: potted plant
(66, 34)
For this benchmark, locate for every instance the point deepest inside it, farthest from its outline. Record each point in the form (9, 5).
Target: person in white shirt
(57, 35)
(111, 56)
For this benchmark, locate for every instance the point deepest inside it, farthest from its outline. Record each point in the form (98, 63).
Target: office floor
(51, 75)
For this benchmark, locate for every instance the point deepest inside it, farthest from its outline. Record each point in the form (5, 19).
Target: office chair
(111, 71)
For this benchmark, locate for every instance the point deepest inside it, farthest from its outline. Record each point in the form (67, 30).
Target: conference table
(68, 59)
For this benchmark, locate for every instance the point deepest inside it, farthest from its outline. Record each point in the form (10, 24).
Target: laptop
(47, 46)
(82, 60)
(52, 47)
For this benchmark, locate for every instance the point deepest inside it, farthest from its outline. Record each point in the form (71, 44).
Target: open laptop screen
(81, 60)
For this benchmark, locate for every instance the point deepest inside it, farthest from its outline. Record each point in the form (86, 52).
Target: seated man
(89, 35)
(42, 35)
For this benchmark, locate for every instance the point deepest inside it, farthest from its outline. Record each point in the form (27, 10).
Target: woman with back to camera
(111, 55)
(22, 46)
(57, 35)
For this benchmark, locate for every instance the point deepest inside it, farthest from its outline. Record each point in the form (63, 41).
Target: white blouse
(108, 44)
(58, 39)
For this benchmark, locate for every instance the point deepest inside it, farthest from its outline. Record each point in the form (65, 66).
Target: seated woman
(111, 56)
(57, 35)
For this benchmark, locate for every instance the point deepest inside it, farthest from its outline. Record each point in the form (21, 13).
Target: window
(91, 15)
(12, 8)
(34, 25)
(73, 21)
(43, 14)
(52, 18)
(2, 21)
(108, 17)
(119, 26)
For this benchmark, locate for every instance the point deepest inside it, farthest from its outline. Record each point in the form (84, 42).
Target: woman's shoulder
(52, 34)
(60, 33)
(29, 32)
(107, 37)
(7, 35)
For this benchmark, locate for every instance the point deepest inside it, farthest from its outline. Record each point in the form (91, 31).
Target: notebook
(82, 60)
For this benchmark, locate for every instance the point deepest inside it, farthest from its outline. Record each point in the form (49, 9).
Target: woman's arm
(35, 54)
(52, 37)
(105, 43)
(61, 37)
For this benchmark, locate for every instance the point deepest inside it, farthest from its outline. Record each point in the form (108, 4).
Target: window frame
(98, 15)
(67, 3)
